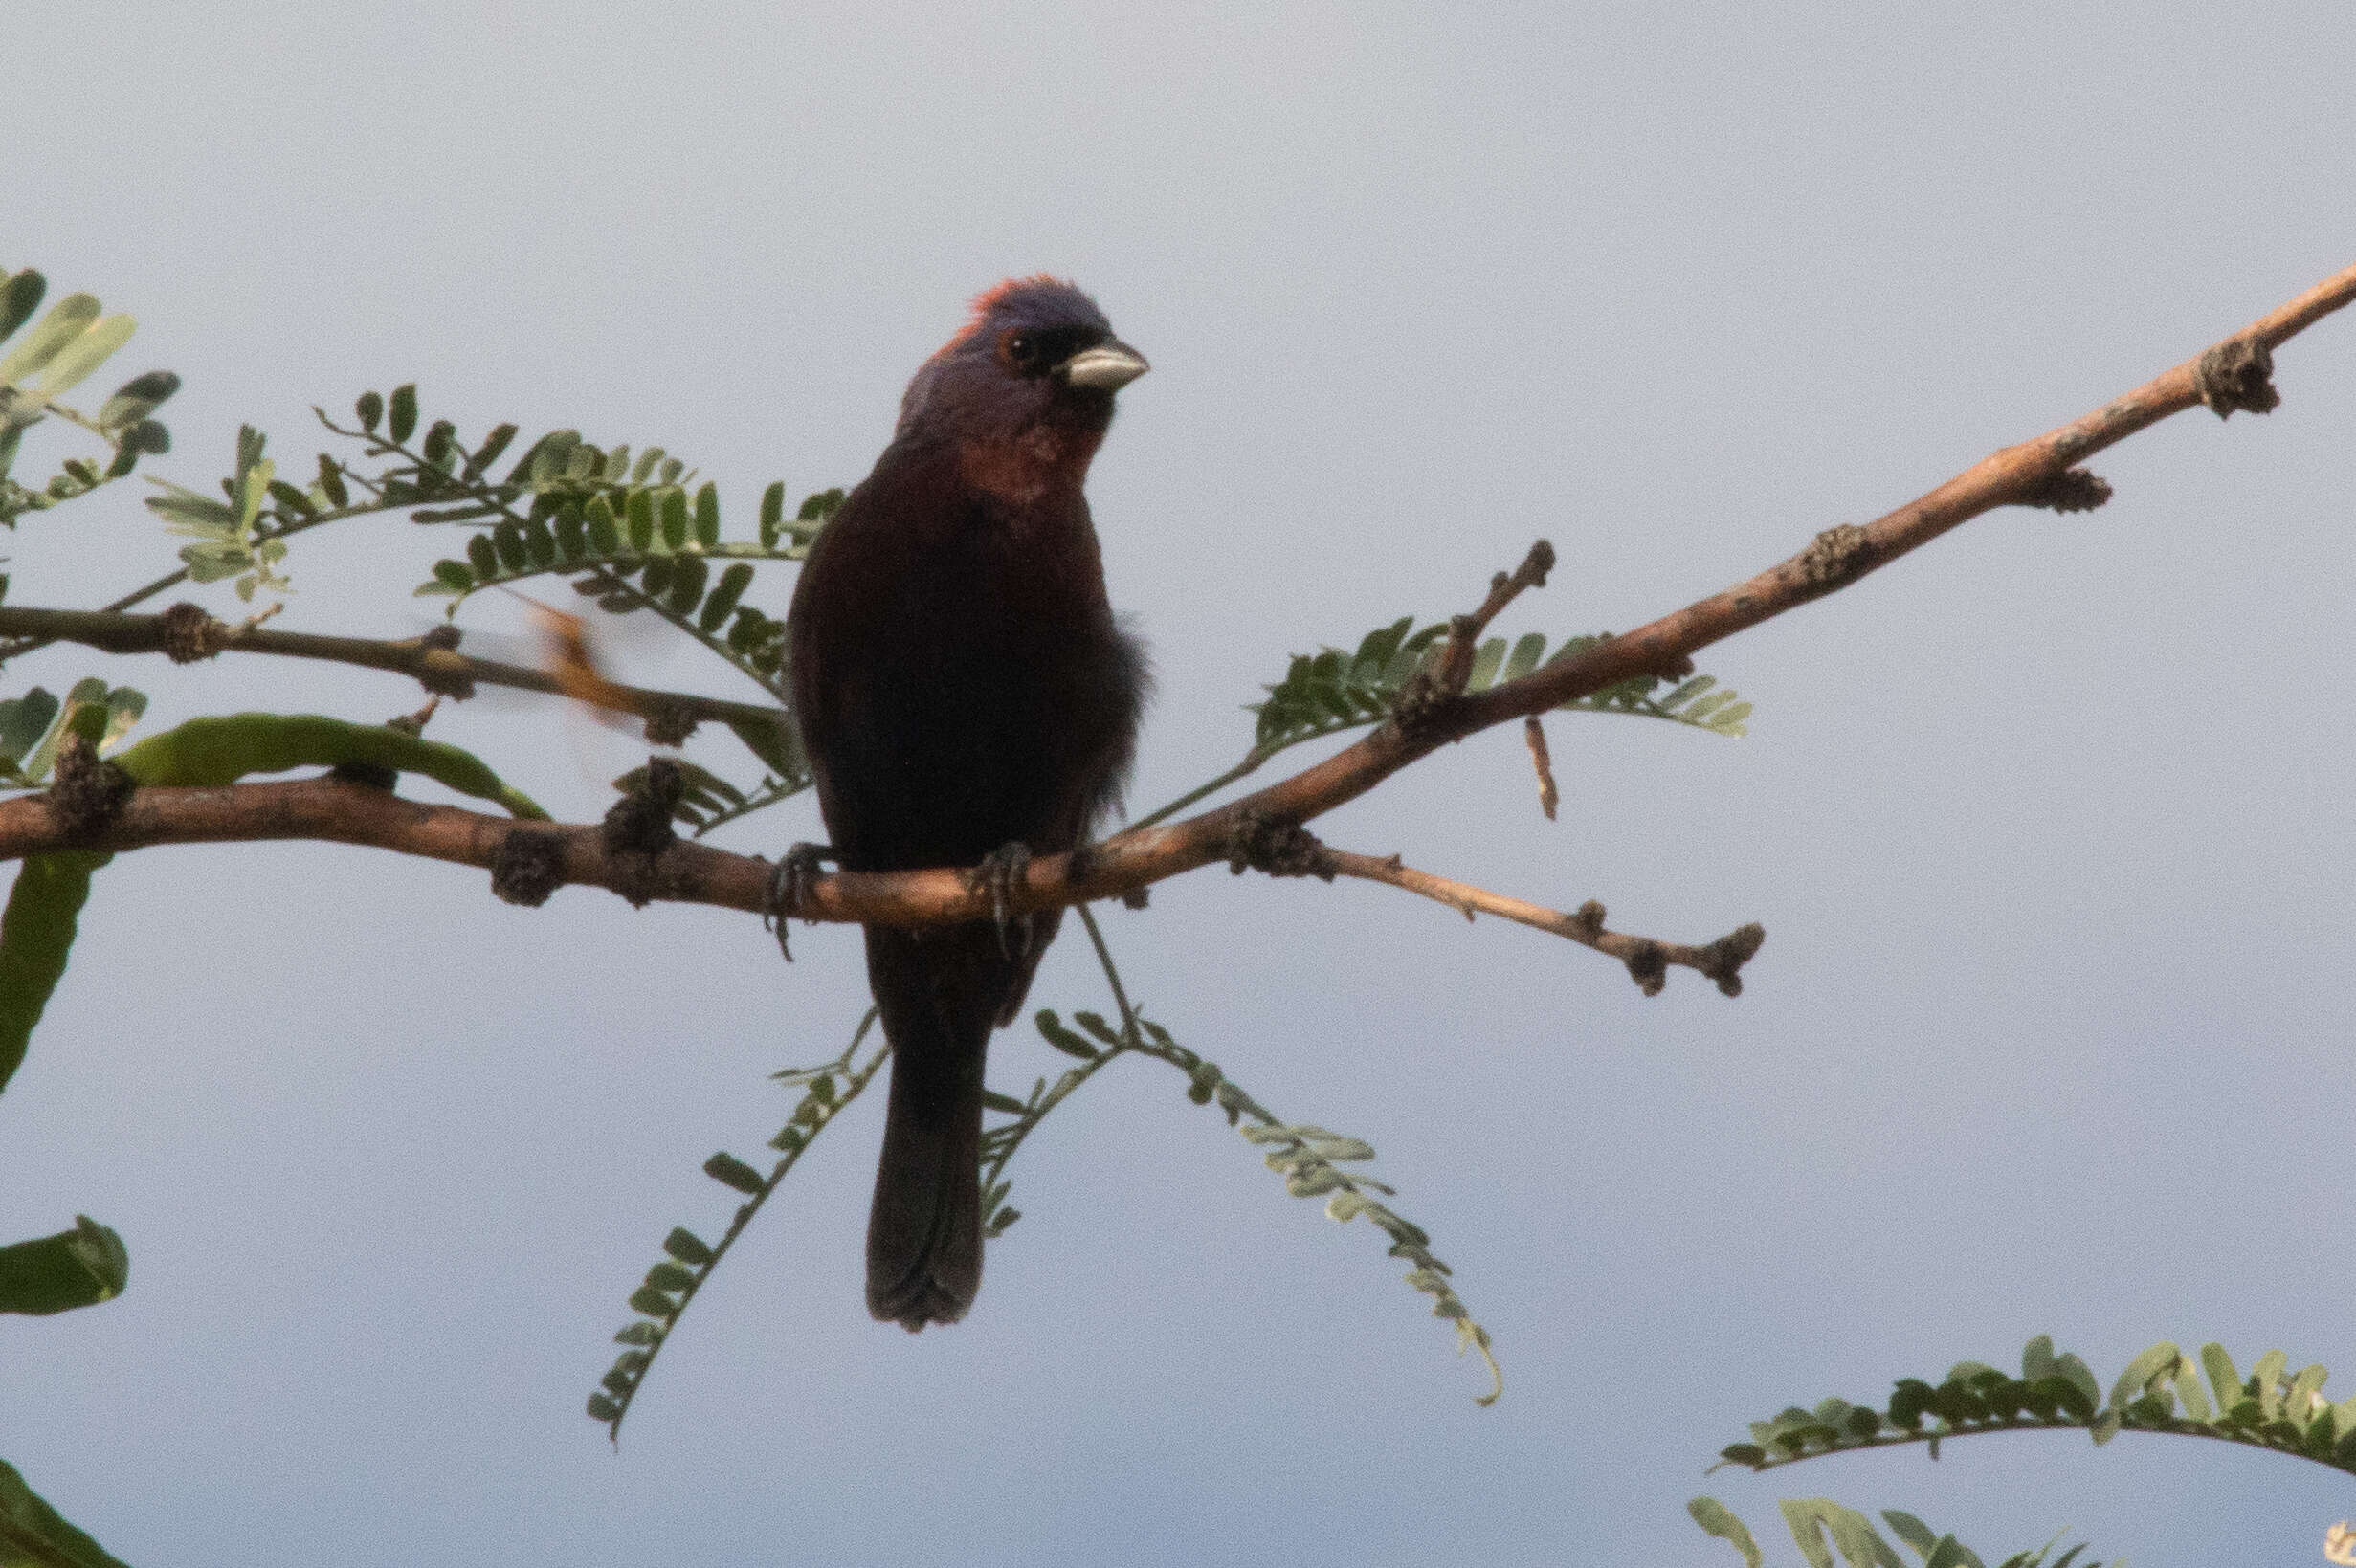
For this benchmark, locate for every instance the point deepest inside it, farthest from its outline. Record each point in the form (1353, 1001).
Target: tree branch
(341, 811)
(187, 634)
(2229, 376)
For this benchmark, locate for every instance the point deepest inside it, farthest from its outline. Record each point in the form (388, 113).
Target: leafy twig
(2272, 1408)
(673, 1282)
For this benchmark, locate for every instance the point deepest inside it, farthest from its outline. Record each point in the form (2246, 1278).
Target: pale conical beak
(1109, 366)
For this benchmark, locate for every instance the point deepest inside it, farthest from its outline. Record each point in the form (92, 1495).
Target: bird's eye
(1022, 350)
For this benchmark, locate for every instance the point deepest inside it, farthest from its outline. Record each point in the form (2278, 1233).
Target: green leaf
(707, 514)
(35, 1534)
(507, 542)
(85, 354)
(1334, 1146)
(776, 744)
(1719, 1520)
(1860, 1545)
(403, 412)
(674, 519)
(1095, 1024)
(687, 580)
(772, 513)
(2155, 1365)
(605, 535)
(721, 603)
(36, 934)
(23, 722)
(485, 455)
(1952, 1552)
(2268, 1376)
(1913, 1531)
(211, 562)
(539, 544)
(370, 408)
(652, 1303)
(688, 1247)
(731, 1171)
(440, 436)
(1524, 656)
(83, 714)
(215, 751)
(2188, 1391)
(185, 511)
(1053, 1031)
(67, 319)
(2299, 1402)
(79, 1267)
(571, 537)
(20, 297)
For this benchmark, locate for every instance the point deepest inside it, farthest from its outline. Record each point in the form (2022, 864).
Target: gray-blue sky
(2046, 823)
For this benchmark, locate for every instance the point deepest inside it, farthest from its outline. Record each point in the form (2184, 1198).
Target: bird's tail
(940, 993)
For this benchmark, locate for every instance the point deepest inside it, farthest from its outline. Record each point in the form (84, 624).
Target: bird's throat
(1020, 470)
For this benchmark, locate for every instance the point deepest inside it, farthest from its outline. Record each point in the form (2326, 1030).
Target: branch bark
(2230, 375)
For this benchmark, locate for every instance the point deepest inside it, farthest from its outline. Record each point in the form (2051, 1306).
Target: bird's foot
(789, 885)
(1000, 875)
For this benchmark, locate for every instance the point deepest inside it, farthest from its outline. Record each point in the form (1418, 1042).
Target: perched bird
(967, 698)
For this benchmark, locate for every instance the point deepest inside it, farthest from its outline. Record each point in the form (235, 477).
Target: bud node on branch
(2071, 490)
(1834, 556)
(86, 792)
(1263, 843)
(2238, 373)
(528, 866)
(189, 634)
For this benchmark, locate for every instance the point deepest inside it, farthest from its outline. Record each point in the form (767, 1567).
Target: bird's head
(1036, 358)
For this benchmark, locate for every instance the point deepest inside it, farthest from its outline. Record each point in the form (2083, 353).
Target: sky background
(2046, 824)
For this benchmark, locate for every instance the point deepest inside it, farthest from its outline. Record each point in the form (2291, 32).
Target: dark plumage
(962, 687)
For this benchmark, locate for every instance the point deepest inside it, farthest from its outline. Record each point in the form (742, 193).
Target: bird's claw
(790, 886)
(1000, 875)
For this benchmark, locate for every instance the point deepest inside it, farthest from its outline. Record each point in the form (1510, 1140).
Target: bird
(966, 697)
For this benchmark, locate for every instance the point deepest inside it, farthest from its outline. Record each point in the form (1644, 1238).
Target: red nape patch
(990, 299)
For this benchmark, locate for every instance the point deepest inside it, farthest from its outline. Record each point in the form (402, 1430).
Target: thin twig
(173, 579)
(1465, 633)
(1647, 959)
(439, 668)
(1534, 731)
(1442, 678)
